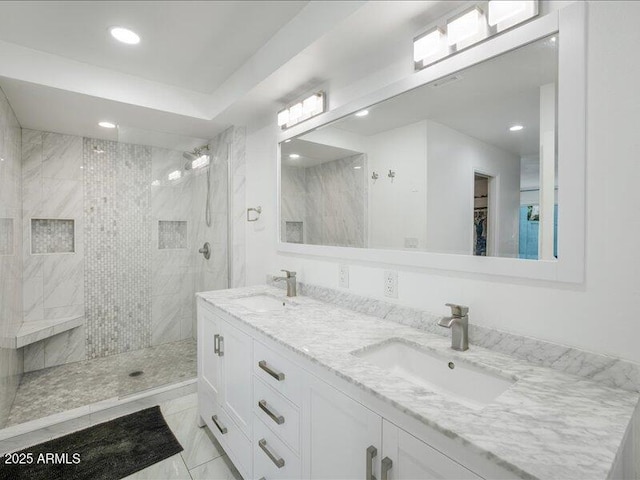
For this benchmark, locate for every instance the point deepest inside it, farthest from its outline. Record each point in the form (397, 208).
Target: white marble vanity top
(546, 425)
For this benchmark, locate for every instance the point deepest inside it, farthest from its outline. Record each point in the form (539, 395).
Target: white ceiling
(312, 153)
(201, 66)
(194, 45)
(482, 101)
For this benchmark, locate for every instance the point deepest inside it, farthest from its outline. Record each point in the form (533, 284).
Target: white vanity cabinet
(280, 416)
(405, 457)
(224, 385)
(344, 437)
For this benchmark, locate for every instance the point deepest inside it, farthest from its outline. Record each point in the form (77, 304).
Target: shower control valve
(206, 251)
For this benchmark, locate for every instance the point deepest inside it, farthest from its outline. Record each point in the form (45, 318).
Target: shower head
(194, 155)
(198, 157)
(189, 156)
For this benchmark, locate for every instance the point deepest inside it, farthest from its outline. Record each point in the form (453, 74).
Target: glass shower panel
(164, 183)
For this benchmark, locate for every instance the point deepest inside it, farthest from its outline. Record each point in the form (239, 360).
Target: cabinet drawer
(237, 446)
(272, 459)
(278, 372)
(278, 413)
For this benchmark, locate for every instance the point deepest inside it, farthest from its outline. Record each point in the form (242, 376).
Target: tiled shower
(99, 259)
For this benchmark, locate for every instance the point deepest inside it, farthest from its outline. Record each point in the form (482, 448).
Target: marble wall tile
(61, 156)
(33, 356)
(11, 301)
(63, 276)
(66, 311)
(7, 234)
(165, 319)
(32, 265)
(31, 136)
(117, 206)
(33, 299)
(62, 198)
(66, 347)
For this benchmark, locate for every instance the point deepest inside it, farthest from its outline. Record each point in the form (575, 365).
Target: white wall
(598, 315)
(453, 160)
(398, 208)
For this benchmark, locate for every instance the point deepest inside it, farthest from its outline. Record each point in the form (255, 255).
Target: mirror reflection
(465, 165)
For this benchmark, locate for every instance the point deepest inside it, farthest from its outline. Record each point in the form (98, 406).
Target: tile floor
(57, 389)
(202, 458)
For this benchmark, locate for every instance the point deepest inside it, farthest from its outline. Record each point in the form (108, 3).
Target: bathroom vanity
(299, 388)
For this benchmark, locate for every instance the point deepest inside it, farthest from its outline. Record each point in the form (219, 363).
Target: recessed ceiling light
(294, 155)
(125, 35)
(362, 113)
(107, 125)
(515, 128)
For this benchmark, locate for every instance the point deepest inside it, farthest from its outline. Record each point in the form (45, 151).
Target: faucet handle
(289, 274)
(458, 310)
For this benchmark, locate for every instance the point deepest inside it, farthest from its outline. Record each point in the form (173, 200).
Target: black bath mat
(108, 451)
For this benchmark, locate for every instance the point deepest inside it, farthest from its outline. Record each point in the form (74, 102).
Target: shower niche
(50, 235)
(172, 234)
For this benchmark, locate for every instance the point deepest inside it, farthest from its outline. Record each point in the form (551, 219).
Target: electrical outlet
(343, 276)
(391, 284)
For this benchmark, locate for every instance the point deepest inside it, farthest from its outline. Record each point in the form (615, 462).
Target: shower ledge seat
(34, 331)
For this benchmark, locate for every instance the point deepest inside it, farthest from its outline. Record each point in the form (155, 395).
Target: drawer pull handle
(221, 427)
(274, 373)
(277, 460)
(387, 463)
(279, 419)
(372, 452)
(216, 344)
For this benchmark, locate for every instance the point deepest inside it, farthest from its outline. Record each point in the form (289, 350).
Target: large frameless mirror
(465, 164)
(474, 164)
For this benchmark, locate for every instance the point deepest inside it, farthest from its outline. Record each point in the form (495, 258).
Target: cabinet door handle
(387, 463)
(216, 344)
(279, 419)
(221, 346)
(274, 373)
(277, 460)
(371, 454)
(220, 426)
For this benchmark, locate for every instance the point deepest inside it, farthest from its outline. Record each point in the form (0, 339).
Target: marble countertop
(546, 425)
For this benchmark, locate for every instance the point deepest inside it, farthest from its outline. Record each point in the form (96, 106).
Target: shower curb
(36, 431)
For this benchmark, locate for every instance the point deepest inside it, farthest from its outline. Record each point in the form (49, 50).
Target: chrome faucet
(458, 322)
(290, 278)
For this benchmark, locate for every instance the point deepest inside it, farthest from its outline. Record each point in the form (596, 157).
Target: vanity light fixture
(294, 156)
(469, 26)
(362, 113)
(300, 111)
(125, 35)
(287, 140)
(175, 175)
(516, 128)
(429, 45)
(464, 26)
(107, 124)
(504, 14)
(357, 167)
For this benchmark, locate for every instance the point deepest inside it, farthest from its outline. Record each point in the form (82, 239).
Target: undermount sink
(464, 382)
(261, 303)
